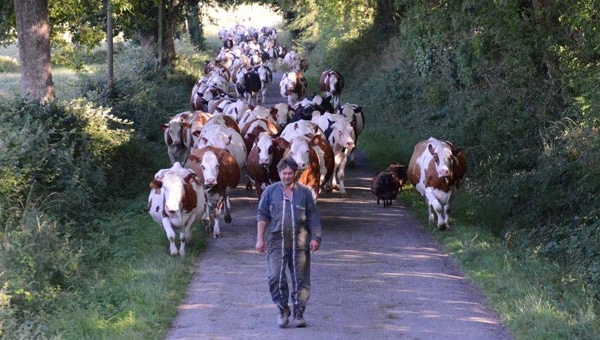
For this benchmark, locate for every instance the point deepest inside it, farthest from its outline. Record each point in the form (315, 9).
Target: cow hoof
(218, 236)
(227, 219)
(344, 195)
(443, 227)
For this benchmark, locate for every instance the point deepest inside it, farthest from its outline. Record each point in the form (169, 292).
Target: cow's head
(342, 134)
(443, 158)
(209, 164)
(299, 150)
(265, 145)
(173, 189)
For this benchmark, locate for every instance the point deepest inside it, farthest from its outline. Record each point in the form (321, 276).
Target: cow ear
(430, 148)
(193, 159)
(191, 178)
(164, 126)
(281, 142)
(273, 112)
(315, 140)
(155, 184)
(272, 128)
(458, 151)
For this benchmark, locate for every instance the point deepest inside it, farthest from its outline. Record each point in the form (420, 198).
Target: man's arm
(261, 226)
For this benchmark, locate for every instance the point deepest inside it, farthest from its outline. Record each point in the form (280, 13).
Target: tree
(33, 29)
(194, 24)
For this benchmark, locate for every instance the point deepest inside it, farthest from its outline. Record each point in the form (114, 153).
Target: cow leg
(170, 235)
(208, 217)
(185, 236)
(182, 239)
(446, 215)
(217, 226)
(341, 173)
(227, 206)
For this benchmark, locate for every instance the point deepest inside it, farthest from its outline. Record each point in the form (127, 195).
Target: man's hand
(260, 246)
(314, 246)
(260, 236)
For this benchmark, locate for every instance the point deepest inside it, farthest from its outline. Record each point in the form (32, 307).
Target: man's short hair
(287, 162)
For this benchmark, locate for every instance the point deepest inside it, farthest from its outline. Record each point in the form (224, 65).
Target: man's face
(287, 176)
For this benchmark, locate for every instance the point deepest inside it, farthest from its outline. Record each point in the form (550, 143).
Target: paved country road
(378, 275)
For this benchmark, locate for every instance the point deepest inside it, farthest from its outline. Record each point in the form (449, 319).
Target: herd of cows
(230, 133)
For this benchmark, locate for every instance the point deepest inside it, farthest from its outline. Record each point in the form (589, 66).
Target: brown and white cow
(176, 136)
(332, 83)
(225, 137)
(309, 167)
(293, 86)
(261, 165)
(340, 135)
(436, 169)
(253, 128)
(219, 173)
(176, 201)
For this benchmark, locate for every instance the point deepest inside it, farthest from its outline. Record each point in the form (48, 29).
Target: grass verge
(531, 295)
(135, 291)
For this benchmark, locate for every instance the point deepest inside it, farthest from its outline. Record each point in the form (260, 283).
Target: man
(289, 211)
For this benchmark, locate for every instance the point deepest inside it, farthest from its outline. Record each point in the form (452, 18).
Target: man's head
(287, 168)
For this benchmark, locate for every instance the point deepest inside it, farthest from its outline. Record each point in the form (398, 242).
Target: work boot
(284, 316)
(299, 318)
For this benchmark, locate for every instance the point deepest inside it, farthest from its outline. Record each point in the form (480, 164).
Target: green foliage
(516, 84)
(8, 65)
(64, 169)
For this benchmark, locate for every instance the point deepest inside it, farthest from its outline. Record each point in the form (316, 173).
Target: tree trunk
(160, 36)
(385, 17)
(194, 24)
(33, 31)
(168, 42)
(109, 48)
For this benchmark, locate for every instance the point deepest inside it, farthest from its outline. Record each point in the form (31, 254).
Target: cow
(293, 86)
(266, 77)
(253, 128)
(355, 114)
(341, 137)
(300, 128)
(175, 136)
(301, 149)
(388, 183)
(436, 169)
(282, 113)
(310, 107)
(222, 136)
(219, 173)
(249, 86)
(176, 201)
(332, 83)
(261, 164)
